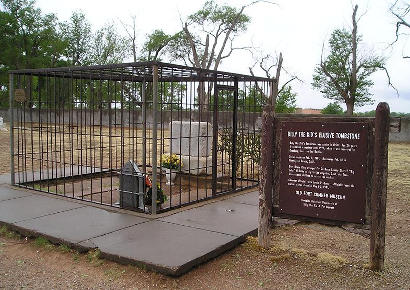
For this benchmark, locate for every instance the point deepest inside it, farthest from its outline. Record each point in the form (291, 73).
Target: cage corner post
(154, 137)
(11, 120)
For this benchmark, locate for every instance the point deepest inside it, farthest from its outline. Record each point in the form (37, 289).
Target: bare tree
(402, 15)
(131, 31)
(266, 163)
(267, 63)
(207, 37)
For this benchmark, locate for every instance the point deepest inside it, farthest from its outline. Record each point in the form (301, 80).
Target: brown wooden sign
(323, 170)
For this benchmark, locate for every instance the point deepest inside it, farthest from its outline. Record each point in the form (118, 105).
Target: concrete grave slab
(80, 224)
(251, 198)
(164, 247)
(171, 245)
(223, 217)
(7, 193)
(33, 206)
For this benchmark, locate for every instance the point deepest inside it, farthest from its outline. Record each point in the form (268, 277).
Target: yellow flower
(171, 161)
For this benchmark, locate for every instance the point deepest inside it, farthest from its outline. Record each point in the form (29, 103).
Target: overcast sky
(297, 28)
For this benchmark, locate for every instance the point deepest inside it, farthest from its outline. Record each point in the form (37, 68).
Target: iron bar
(11, 116)
(234, 133)
(144, 124)
(154, 138)
(215, 140)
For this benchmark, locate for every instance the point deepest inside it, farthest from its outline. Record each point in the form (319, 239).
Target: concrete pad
(223, 217)
(5, 179)
(19, 209)
(167, 248)
(9, 193)
(250, 198)
(80, 224)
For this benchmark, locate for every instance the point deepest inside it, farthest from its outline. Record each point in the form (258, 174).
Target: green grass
(93, 256)
(76, 256)
(5, 232)
(114, 273)
(42, 242)
(64, 248)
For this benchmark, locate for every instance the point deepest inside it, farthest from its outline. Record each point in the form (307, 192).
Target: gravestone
(193, 142)
(132, 187)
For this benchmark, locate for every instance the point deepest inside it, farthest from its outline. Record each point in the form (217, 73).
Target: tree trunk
(349, 107)
(353, 81)
(266, 177)
(267, 160)
(202, 97)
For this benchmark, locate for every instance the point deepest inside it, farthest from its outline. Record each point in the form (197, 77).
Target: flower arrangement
(161, 197)
(171, 161)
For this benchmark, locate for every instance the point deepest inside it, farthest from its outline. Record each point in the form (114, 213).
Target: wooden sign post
(266, 177)
(379, 192)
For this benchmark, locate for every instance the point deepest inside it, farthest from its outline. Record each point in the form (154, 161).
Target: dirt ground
(302, 256)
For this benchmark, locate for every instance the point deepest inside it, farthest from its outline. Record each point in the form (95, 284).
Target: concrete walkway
(171, 244)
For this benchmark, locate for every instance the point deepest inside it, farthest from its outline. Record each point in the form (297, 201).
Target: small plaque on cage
(20, 95)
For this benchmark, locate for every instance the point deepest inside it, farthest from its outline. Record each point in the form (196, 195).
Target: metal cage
(73, 129)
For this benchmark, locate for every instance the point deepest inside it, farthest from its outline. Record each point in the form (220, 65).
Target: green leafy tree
(251, 99)
(29, 39)
(108, 46)
(343, 76)
(78, 36)
(286, 101)
(155, 44)
(332, 109)
(367, 114)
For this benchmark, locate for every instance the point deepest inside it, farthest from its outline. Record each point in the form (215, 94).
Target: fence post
(234, 133)
(379, 192)
(266, 176)
(154, 137)
(11, 120)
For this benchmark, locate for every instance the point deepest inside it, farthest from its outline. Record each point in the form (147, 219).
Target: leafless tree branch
(132, 34)
(401, 21)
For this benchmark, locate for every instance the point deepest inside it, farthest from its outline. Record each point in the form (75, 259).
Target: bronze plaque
(323, 170)
(20, 95)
